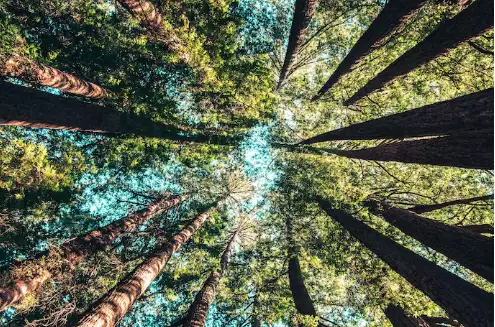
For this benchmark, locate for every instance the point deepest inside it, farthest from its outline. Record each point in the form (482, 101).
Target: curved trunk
(469, 23)
(110, 309)
(399, 318)
(470, 112)
(463, 301)
(27, 107)
(30, 71)
(392, 18)
(465, 151)
(473, 251)
(198, 311)
(422, 208)
(481, 229)
(303, 12)
(75, 250)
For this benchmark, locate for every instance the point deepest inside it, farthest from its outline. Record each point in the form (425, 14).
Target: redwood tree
(399, 318)
(466, 113)
(473, 21)
(423, 208)
(462, 300)
(75, 250)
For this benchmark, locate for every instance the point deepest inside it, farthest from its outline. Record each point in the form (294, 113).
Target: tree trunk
(470, 112)
(475, 20)
(399, 318)
(110, 309)
(440, 321)
(483, 228)
(75, 250)
(463, 301)
(30, 71)
(473, 251)
(22, 106)
(422, 208)
(391, 19)
(198, 311)
(303, 12)
(473, 151)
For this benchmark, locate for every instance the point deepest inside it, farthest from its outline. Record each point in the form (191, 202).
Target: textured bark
(22, 106)
(471, 112)
(472, 250)
(112, 307)
(463, 301)
(303, 12)
(484, 228)
(399, 318)
(75, 250)
(30, 71)
(198, 311)
(422, 208)
(465, 151)
(391, 19)
(469, 23)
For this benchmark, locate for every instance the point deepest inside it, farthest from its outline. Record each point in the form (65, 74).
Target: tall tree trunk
(22, 106)
(75, 250)
(465, 151)
(483, 228)
(463, 301)
(470, 112)
(422, 208)
(469, 23)
(392, 18)
(198, 311)
(112, 307)
(30, 71)
(303, 12)
(399, 318)
(473, 251)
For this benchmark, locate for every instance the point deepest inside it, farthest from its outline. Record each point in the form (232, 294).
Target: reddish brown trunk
(463, 301)
(469, 23)
(74, 251)
(473, 251)
(473, 151)
(48, 76)
(110, 309)
(303, 12)
(432, 207)
(399, 318)
(392, 18)
(472, 112)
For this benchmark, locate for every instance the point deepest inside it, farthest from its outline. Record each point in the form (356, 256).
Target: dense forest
(249, 163)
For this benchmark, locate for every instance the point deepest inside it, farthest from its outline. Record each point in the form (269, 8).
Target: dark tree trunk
(75, 250)
(422, 208)
(399, 318)
(463, 301)
(112, 307)
(392, 17)
(473, 151)
(32, 72)
(440, 321)
(484, 228)
(473, 251)
(470, 112)
(198, 311)
(22, 106)
(303, 11)
(469, 23)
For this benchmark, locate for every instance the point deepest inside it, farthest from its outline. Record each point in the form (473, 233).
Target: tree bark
(198, 311)
(112, 307)
(473, 151)
(22, 106)
(75, 250)
(303, 12)
(475, 20)
(399, 318)
(423, 208)
(483, 228)
(463, 301)
(473, 251)
(32, 72)
(391, 19)
(470, 112)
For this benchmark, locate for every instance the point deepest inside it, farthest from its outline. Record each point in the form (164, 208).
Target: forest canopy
(301, 163)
